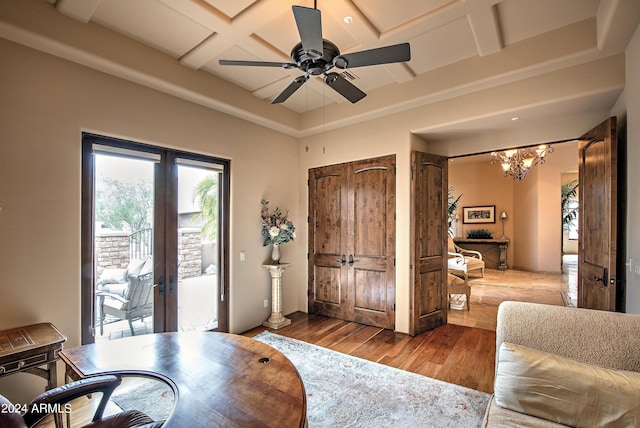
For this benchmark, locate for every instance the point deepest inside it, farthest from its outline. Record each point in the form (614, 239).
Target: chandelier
(518, 162)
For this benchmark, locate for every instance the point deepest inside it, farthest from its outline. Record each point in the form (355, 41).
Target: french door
(154, 240)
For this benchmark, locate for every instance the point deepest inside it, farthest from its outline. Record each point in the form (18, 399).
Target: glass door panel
(123, 244)
(198, 246)
(155, 240)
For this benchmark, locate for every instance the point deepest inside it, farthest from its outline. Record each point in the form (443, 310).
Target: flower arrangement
(276, 227)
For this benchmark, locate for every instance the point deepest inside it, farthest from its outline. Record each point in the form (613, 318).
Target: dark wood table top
(29, 337)
(221, 379)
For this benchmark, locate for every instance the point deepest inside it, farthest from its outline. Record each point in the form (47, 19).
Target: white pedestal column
(276, 320)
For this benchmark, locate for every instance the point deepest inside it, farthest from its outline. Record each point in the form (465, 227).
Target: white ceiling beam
(485, 26)
(228, 34)
(82, 10)
(625, 14)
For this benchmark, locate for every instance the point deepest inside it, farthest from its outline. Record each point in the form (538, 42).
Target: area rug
(345, 391)
(153, 397)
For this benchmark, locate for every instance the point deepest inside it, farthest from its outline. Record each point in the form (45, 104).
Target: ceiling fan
(316, 56)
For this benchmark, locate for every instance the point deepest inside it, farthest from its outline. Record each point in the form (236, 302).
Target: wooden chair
(57, 399)
(457, 285)
(464, 261)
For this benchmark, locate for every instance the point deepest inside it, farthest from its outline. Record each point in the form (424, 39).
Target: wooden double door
(352, 241)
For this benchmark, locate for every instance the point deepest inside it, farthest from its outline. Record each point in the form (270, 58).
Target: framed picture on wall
(473, 215)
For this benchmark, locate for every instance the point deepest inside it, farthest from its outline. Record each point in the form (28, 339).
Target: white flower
(274, 231)
(284, 226)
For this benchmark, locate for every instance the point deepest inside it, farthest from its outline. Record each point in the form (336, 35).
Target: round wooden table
(220, 379)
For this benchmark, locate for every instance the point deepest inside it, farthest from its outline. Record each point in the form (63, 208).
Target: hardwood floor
(446, 353)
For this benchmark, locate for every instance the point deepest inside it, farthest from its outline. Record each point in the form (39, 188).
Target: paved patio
(197, 311)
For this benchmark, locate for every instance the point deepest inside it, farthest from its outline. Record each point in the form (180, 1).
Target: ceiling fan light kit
(315, 56)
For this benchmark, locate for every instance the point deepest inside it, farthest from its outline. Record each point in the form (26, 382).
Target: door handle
(343, 260)
(161, 286)
(597, 278)
(351, 261)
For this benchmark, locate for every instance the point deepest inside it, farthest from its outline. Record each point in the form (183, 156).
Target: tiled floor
(497, 286)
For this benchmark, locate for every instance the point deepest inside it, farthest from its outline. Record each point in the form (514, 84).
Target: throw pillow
(565, 391)
(112, 276)
(134, 268)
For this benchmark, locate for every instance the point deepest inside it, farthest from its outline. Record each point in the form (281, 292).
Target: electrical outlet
(266, 303)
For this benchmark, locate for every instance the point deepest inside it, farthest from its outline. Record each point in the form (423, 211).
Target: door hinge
(307, 256)
(307, 219)
(394, 307)
(394, 261)
(413, 170)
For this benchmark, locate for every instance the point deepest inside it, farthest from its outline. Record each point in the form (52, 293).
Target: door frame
(165, 310)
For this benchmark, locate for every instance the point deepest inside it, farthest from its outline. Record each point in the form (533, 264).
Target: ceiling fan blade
(384, 55)
(309, 24)
(289, 90)
(287, 65)
(344, 87)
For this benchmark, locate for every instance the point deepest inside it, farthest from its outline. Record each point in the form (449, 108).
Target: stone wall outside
(112, 251)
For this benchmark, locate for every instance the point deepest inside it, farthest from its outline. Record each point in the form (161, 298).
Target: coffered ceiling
(458, 47)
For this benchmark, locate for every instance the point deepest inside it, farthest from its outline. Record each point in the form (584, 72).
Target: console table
(31, 349)
(488, 248)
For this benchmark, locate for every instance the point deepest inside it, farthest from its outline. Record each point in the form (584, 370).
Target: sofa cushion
(496, 416)
(565, 391)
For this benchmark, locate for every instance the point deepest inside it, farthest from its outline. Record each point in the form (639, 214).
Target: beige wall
(480, 184)
(530, 204)
(627, 109)
(46, 104)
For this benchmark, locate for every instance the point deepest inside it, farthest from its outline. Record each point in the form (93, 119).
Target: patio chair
(128, 300)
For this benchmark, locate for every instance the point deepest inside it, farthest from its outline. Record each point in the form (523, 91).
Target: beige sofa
(558, 366)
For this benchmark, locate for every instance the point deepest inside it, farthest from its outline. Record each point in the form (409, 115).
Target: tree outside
(123, 204)
(206, 197)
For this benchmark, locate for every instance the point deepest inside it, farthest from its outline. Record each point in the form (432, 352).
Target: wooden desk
(221, 379)
(28, 348)
(488, 248)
